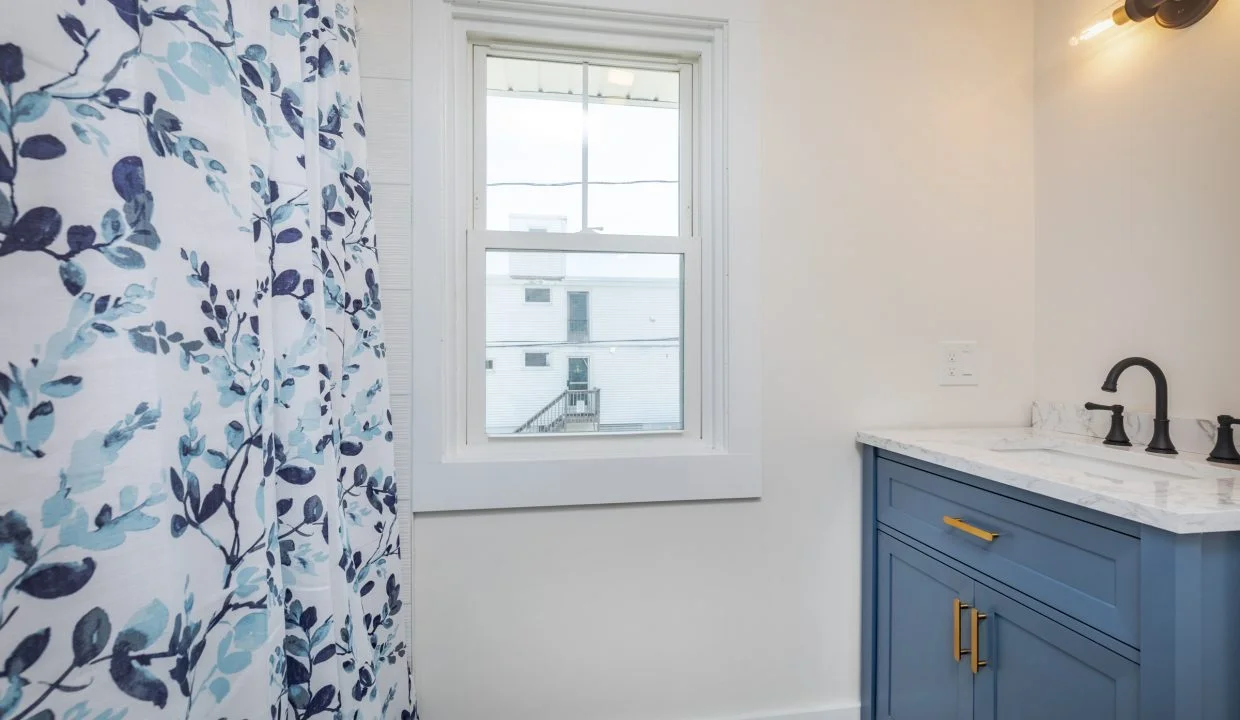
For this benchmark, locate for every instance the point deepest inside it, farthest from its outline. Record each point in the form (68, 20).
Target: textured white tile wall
(385, 29)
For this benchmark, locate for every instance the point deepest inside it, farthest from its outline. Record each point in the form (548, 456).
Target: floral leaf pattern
(199, 515)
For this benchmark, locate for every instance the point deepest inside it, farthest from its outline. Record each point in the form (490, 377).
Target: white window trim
(719, 457)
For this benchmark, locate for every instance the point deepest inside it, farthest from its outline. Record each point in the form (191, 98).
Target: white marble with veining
(1190, 435)
(1182, 494)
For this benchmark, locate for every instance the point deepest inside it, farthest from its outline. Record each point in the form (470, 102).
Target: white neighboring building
(594, 340)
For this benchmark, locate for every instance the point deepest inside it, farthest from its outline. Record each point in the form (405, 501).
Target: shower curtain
(198, 515)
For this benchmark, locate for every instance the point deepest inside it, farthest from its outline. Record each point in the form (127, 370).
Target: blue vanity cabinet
(919, 677)
(1037, 669)
(1083, 616)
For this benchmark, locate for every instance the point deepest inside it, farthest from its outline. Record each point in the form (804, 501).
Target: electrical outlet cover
(958, 363)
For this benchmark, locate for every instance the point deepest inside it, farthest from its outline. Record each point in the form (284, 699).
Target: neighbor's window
(538, 295)
(583, 188)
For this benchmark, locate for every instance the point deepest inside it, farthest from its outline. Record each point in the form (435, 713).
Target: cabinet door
(918, 676)
(1038, 669)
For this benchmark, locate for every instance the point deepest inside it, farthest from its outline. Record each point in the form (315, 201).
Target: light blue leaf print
(189, 78)
(210, 64)
(39, 424)
(148, 623)
(124, 257)
(89, 111)
(30, 107)
(6, 208)
(219, 688)
(251, 631)
(171, 86)
(64, 387)
(4, 116)
(113, 226)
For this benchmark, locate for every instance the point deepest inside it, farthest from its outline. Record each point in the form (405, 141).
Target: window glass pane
(604, 355)
(534, 135)
(634, 151)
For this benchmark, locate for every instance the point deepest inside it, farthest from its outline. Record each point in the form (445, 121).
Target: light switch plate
(958, 363)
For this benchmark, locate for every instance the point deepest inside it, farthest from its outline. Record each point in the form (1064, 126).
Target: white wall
(1138, 208)
(898, 212)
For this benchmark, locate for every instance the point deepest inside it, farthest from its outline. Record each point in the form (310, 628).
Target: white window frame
(717, 455)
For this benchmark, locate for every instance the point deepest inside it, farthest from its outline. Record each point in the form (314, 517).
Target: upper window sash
(688, 220)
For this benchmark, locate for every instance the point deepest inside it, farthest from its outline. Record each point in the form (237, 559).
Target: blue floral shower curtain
(197, 504)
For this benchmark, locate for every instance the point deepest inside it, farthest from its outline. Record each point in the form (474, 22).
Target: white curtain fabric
(197, 502)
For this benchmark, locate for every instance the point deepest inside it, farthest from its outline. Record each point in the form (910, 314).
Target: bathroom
(894, 215)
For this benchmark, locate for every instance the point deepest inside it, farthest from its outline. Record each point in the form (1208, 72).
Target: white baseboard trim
(839, 712)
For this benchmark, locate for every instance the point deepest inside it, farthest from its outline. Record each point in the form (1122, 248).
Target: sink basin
(1106, 462)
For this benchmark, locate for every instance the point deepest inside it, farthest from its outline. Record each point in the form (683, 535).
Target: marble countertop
(1182, 494)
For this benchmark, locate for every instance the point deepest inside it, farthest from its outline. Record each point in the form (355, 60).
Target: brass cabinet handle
(957, 607)
(963, 526)
(978, 662)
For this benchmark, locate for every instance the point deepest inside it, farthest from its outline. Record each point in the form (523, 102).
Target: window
(490, 364)
(580, 178)
(538, 295)
(600, 141)
(579, 317)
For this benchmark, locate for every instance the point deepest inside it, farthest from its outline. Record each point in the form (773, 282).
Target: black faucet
(1116, 436)
(1161, 442)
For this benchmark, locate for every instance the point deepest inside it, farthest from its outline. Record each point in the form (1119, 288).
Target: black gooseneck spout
(1161, 442)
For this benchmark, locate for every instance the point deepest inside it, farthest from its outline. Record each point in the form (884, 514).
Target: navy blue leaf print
(80, 237)
(291, 235)
(55, 580)
(286, 283)
(73, 28)
(313, 509)
(135, 681)
(212, 502)
(129, 176)
(33, 231)
(72, 276)
(128, 11)
(295, 673)
(42, 147)
(321, 700)
(6, 169)
(27, 653)
(350, 448)
(90, 636)
(296, 475)
(11, 67)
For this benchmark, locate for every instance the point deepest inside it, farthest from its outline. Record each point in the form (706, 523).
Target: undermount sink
(1106, 462)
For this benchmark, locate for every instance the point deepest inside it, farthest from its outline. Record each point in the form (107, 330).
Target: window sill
(491, 484)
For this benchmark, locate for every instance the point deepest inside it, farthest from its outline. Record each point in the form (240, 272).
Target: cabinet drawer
(1084, 570)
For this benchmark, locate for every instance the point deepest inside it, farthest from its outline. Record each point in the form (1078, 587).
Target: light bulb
(1115, 18)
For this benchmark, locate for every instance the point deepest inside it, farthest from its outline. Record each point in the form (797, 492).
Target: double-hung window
(605, 142)
(590, 255)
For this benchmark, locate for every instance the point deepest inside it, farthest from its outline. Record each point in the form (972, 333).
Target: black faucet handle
(1113, 409)
(1117, 435)
(1225, 447)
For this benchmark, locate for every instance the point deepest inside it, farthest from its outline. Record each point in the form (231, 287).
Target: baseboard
(842, 712)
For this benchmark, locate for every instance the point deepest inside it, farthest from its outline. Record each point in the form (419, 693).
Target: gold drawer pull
(963, 526)
(978, 662)
(957, 607)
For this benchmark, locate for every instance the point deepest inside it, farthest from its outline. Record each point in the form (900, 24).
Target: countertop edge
(1178, 523)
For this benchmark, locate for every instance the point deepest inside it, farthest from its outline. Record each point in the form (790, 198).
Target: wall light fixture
(1168, 13)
